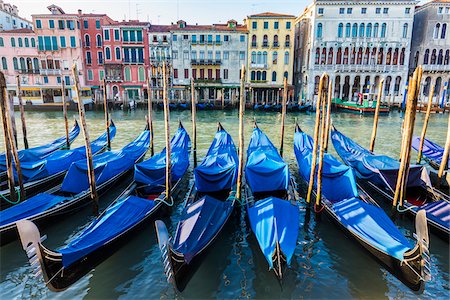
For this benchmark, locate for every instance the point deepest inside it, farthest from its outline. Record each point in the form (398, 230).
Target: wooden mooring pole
(66, 121)
(22, 113)
(241, 135)
(375, 119)
(444, 156)
(328, 119)
(194, 123)
(150, 115)
(425, 125)
(105, 105)
(167, 131)
(90, 163)
(283, 115)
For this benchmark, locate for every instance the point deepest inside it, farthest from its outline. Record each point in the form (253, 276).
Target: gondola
(38, 153)
(364, 221)
(139, 202)
(271, 202)
(432, 152)
(44, 174)
(209, 205)
(74, 191)
(378, 174)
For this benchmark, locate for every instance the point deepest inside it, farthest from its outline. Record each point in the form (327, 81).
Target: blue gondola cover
(152, 172)
(38, 153)
(272, 220)
(265, 169)
(61, 160)
(218, 170)
(430, 150)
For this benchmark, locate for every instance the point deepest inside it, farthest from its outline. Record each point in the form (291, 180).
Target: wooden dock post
(328, 119)
(283, 115)
(167, 132)
(10, 104)
(375, 119)
(66, 121)
(8, 156)
(22, 113)
(241, 135)
(444, 156)
(194, 123)
(105, 104)
(90, 163)
(150, 115)
(320, 97)
(425, 124)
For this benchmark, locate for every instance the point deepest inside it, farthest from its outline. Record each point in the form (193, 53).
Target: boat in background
(139, 203)
(209, 205)
(366, 105)
(271, 202)
(364, 221)
(378, 174)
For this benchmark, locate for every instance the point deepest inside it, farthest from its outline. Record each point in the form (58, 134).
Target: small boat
(74, 191)
(140, 201)
(209, 205)
(44, 174)
(272, 202)
(431, 152)
(378, 174)
(38, 153)
(364, 221)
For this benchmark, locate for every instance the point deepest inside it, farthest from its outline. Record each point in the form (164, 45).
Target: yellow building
(270, 54)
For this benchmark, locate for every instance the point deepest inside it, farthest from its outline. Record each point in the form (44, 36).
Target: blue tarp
(265, 170)
(430, 150)
(218, 170)
(371, 224)
(116, 219)
(379, 169)
(61, 160)
(272, 220)
(37, 153)
(152, 172)
(334, 173)
(199, 223)
(106, 165)
(438, 211)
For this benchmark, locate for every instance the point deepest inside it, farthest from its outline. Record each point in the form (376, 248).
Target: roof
(213, 27)
(271, 15)
(20, 30)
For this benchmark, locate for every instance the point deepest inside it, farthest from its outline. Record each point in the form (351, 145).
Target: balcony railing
(362, 68)
(275, 44)
(436, 68)
(49, 72)
(265, 44)
(129, 61)
(287, 44)
(86, 45)
(114, 78)
(258, 66)
(210, 80)
(254, 44)
(133, 42)
(28, 71)
(206, 61)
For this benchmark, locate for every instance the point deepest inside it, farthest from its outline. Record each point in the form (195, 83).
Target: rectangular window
(61, 24)
(210, 74)
(407, 10)
(363, 11)
(139, 35)
(106, 34)
(125, 36)
(218, 38)
(186, 73)
(175, 73)
(275, 25)
(288, 25)
(227, 38)
(385, 10)
(242, 38)
(194, 73)
(226, 55)
(90, 75)
(73, 42)
(100, 57)
(38, 24)
(341, 10)
(218, 55)
(101, 74)
(45, 79)
(349, 10)
(185, 37)
(67, 80)
(209, 38)
(174, 38)
(85, 24)
(51, 24)
(116, 35)
(202, 73)
(241, 55)
(194, 39)
(70, 25)
(62, 41)
(378, 10)
(194, 55)
(225, 73)
(54, 43)
(266, 25)
(88, 58)
(58, 79)
(320, 11)
(254, 25)
(217, 74)
(202, 38)
(47, 43)
(185, 54)
(40, 43)
(202, 54)
(175, 54)
(97, 24)
(210, 55)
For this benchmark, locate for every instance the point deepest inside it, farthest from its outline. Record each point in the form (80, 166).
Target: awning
(132, 86)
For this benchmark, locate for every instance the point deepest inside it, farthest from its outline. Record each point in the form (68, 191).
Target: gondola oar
(375, 119)
(105, 105)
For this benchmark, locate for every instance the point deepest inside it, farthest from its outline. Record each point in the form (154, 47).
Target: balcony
(112, 78)
(211, 80)
(48, 72)
(369, 68)
(133, 42)
(275, 44)
(287, 44)
(207, 62)
(265, 44)
(436, 68)
(86, 45)
(28, 71)
(258, 66)
(129, 61)
(254, 44)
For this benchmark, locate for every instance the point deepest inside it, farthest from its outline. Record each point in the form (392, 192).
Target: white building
(357, 43)
(431, 48)
(10, 19)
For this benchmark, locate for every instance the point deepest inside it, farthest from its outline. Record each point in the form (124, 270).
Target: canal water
(325, 265)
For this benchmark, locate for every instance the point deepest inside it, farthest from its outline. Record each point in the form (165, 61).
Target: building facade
(10, 19)
(431, 48)
(271, 54)
(357, 43)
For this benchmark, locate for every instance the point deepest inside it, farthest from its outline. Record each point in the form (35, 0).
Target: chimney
(80, 11)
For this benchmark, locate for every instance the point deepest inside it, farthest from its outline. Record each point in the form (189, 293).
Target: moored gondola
(364, 221)
(271, 202)
(140, 201)
(377, 175)
(208, 207)
(431, 152)
(74, 191)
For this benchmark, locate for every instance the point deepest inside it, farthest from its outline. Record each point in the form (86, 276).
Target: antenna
(178, 9)
(137, 11)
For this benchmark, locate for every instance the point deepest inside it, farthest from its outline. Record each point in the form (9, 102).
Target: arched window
(369, 30)
(340, 30)
(405, 30)
(330, 56)
(402, 57)
(345, 61)
(362, 30)
(107, 53)
(98, 40)
(286, 75)
(33, 43)
(347, 30)
(437, 86)
(383, 30)
(127, 72)
(375, 30)
(259, 58)
(426, 86)
(264, 76)
(317, 57)
(274, 76)
(444, 30)
(87, 40)
(323, 57)
(36, 63)
(286, 58)
(436, 30)
(253, 57)
(4, 64)
(265, 57)
(359, 57)
(29, 64)
(433, 57)
(13, 42)
(275, 40)
(353, 56)
(27, 42)
(397, 85)
(389, 56)
(19, 40)
(258, 75)
(447, 58)
(287, 42)
(265, 41)
(380, 56)
(275, 58)
(366, 56)
(319, 30)
(426, 57)
(252, 75)
(387, 85)
(22, 64)
(1, 42)
(373, 56)
(141, 74)
(316, 85)
(117, 53)
(254, 40)
(339, 56)
(440, 58)
(416, 59)
(355, 30)
(395, 60)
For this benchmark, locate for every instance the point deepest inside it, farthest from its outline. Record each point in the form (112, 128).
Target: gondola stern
(165, 246)
(278, 262)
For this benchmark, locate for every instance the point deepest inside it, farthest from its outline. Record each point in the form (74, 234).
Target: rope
(405, 210)
(165, 202)
(320, 210)
(12, 202)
